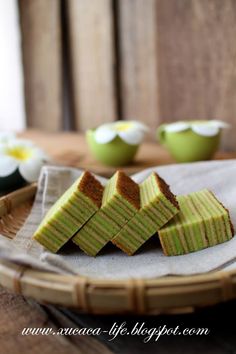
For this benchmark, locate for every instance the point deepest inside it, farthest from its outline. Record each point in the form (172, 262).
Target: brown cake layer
(165, 189)
(128, 189)
(92, 188)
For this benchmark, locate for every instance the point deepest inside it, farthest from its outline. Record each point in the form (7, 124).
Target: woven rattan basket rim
(169, 294)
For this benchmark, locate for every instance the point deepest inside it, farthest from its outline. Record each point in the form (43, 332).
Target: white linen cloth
(111, 263)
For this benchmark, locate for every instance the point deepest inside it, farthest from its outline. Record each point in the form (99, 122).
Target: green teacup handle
(161, 134)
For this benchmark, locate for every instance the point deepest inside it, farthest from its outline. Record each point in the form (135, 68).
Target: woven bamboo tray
(164, 295)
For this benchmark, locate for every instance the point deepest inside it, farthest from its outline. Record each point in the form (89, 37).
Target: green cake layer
(70, 212)
(158, 206)
(120, 202)
(202, 222)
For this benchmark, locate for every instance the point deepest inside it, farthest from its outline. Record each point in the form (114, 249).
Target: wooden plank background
(41, 49)
(92, 58)
(138, 48)
(152, 60)
(197, 61)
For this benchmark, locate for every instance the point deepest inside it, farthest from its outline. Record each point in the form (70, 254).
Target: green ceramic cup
(187, 146)
(115, 153)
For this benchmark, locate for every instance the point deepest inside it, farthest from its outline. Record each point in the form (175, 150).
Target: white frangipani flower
(21, 155)
(131, 132)
(204, 128)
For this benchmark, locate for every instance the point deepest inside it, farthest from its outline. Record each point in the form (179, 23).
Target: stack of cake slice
(70, 212)
(158, 206)
(202, 222)
(120, 203)
(128, 214)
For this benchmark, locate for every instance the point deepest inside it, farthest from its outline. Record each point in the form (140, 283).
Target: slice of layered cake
(120, 202)
(158, 206)
(70, 212)
(202, 222)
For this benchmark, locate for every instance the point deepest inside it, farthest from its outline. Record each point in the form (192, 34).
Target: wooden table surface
(17, 312)
(71, 149)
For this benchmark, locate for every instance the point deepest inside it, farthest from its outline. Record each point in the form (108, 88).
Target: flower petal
(124, 125)
(20, 143)
(132, 136)
(177, 127)
(39, 154)
(7, 165)
(219, 124)
(105, 133)
(6, 136)
(30, 169)
(3, 148)
(205, 129)
(138, 125)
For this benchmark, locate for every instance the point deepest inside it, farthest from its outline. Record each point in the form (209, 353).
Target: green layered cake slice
(70, 212)
(158, 206)
(120, 202)
(202, 222)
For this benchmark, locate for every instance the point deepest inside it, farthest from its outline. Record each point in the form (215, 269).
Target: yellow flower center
(122, 127)
(19, 152)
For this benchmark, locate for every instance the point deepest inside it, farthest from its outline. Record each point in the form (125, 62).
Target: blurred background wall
(12, 109)
(91, 61)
